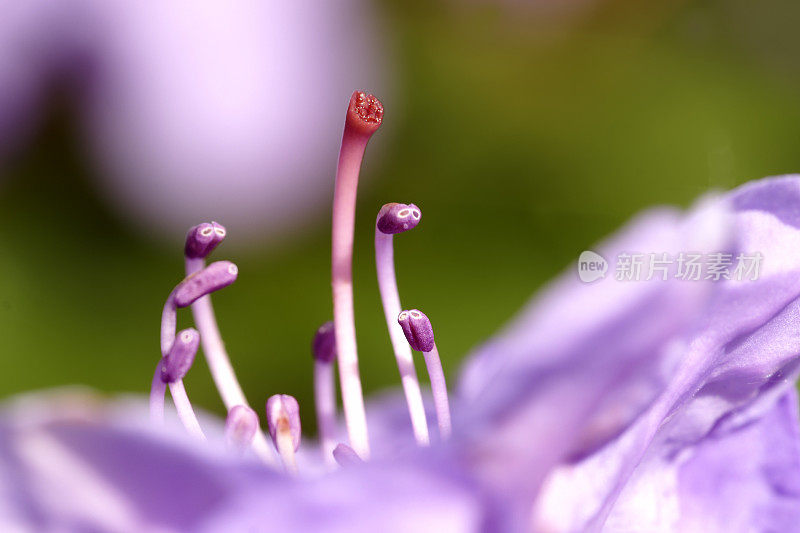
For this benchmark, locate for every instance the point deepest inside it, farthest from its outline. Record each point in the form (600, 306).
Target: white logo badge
(591, 266)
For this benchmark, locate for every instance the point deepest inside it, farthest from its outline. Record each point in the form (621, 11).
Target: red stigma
(365, 113)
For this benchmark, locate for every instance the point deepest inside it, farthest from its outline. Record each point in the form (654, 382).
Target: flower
(659, 404)
(191, 108)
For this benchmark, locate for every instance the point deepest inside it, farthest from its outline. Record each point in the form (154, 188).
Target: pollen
(368, 108)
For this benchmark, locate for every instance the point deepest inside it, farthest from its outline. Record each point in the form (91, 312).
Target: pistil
(419, 334)
(393, 219)
(364, 117)
(283, 421)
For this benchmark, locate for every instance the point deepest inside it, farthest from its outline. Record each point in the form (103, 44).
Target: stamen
(181, 356)
(395, 218)
(202, 239)
(185, 411)
(419, 334)
(364, 117)
(212, 278)
(346, 456)
(241, 427)
(173, 369)
(283, 421)
(324, 351)
(217, 357)
(157, 391)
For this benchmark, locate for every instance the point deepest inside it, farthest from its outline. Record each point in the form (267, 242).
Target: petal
(70, 462)
(584, 359)
(747, 479)
(743, 478)
(744, 358)
(418, 495)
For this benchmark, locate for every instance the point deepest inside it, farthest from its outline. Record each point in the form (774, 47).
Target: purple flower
(654, 404)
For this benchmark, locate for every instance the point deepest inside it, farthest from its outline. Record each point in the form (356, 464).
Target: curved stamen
(419, 334)
(396, 218)
(181, 356)
(283, 421)
(214, 277)
(185, 411)
(200, 241)
(346, 456)
(241, 427)
(193, 287)
(364, 117)
(173, 369)
(324, 351)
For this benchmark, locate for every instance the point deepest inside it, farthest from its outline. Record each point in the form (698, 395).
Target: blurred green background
(524, 136)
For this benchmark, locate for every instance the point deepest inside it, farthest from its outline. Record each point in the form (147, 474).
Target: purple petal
(584, 359)
(742, 360)
(70, 463)
(747, 479)
(367, 497)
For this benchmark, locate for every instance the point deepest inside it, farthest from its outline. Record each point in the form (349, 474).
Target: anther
(181, 356)
(419, 334)
(241, 427)
(396, 218)
(202, 239)
(214, 277)
(346, 456)
(283, 422)
(324, 344)
(417, 329)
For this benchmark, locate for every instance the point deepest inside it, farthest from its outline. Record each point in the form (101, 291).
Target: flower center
(334, 341)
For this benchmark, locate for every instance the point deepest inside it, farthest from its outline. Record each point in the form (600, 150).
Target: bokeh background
(525, 131)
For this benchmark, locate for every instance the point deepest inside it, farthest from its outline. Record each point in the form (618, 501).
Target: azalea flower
(658, 404)
(207, 97)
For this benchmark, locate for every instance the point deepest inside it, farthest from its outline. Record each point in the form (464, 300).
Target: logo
(591, 266)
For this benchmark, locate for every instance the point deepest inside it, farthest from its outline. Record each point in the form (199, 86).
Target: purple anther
(346, 456)
(324, 345)
(241, 427)
(283, 419)
(396, 218)
(181, 356)
(202, 239)
(417, 329)
(212, 278)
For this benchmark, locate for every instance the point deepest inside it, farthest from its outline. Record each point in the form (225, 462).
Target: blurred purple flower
(194, 108)
(616, 406)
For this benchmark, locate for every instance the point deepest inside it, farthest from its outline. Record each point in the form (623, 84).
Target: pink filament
(344, 210)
